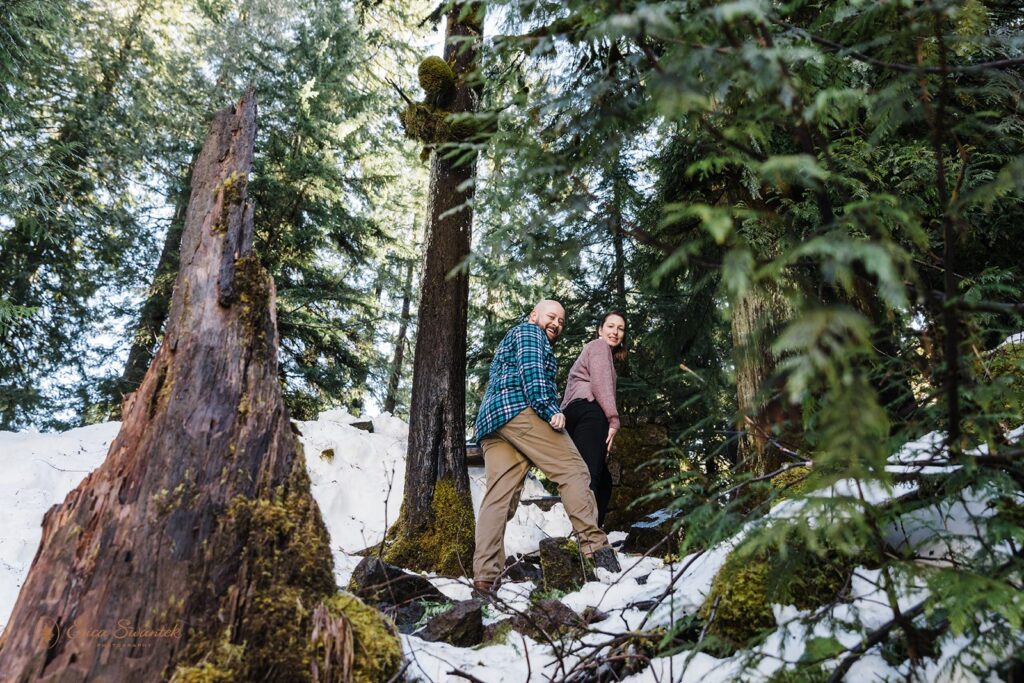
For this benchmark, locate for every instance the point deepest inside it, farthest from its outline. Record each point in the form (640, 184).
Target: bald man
(520, 424)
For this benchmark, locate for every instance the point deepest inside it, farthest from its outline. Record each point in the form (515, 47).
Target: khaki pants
(508, 453)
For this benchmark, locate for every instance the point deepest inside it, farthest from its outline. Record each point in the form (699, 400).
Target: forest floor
(357, 479)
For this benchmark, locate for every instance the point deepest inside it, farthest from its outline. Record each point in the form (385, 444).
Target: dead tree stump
(196, 547)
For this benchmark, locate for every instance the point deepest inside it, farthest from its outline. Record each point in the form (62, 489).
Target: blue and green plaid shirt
(522, 376)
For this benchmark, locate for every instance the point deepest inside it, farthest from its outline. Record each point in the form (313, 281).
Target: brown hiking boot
(605, 559)
(485, 590)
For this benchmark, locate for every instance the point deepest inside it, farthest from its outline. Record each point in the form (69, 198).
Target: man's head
(549, 316)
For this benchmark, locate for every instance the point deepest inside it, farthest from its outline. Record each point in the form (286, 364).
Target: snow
(359, 490)
(39, 471)
(1017, 338)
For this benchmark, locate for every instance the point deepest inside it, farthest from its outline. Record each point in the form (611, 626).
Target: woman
(591, 418)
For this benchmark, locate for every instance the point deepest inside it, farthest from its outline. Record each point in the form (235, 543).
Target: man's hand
(612, 431)
(557, 421)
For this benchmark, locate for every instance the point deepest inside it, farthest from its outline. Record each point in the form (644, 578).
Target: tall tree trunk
(435, 529)
(199, 525)
(391, 400)
(153, 313)
(767, 420)
(619, 264)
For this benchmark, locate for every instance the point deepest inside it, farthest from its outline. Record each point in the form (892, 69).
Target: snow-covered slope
(359, 491)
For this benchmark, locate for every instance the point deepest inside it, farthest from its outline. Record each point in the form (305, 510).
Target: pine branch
(846, 51)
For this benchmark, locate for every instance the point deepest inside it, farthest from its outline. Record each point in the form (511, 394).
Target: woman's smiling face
(612, 330)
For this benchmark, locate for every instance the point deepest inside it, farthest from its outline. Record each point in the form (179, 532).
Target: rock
(474, 455)
(633, 471)
(406, 617)
(650, 531)
(380, 583)
(545, 503)
(547, 619)
(462, 625)
(563, 565)
(523, 568)
(366, 426)
(496, 633)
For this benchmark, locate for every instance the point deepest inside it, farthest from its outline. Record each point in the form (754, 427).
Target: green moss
(746, 586)
(432, 121)
(737, 604)
(792, 483)
(542, 594)
(564, 567)
(252, 284)
(165, 501)
(443, 544)
(435, 126)
(243, 407)
(1002, 398)
(378, 653)
(220, 665)
(437, 80)
(288, 570)
(233, 189)
(498, 635)
(800, 674)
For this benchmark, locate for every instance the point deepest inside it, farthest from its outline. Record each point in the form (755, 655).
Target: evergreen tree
(435, 529)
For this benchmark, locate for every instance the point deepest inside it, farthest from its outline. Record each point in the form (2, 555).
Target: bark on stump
(199, 526)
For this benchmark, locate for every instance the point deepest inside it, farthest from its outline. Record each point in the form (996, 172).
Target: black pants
(588, 427)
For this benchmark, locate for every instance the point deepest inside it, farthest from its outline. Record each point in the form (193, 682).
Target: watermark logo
(122, 633)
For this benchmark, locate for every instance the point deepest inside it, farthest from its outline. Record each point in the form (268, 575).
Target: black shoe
(605, 559)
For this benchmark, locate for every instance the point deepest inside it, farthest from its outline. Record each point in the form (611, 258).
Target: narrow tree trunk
(435, 529)
(619, 264)
(199, 526)
(766, 418)
(391, 400)
(619, 267)
(153, 313)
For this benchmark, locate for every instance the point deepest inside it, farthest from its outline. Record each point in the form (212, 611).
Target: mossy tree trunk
(767, 419)
(199, 526)
(429, 536)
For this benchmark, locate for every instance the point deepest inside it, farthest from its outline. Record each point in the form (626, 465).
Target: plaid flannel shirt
(522, 376)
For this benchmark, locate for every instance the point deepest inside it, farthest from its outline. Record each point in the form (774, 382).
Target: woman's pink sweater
(592, 377)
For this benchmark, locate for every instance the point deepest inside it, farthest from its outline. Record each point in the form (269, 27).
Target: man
(519, 424)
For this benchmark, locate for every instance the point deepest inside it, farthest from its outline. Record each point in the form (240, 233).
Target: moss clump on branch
(738, 607)
(433, 121)
(437, 80)
(445, 544)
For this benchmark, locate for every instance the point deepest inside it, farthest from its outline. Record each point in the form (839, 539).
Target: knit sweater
(592, 377)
